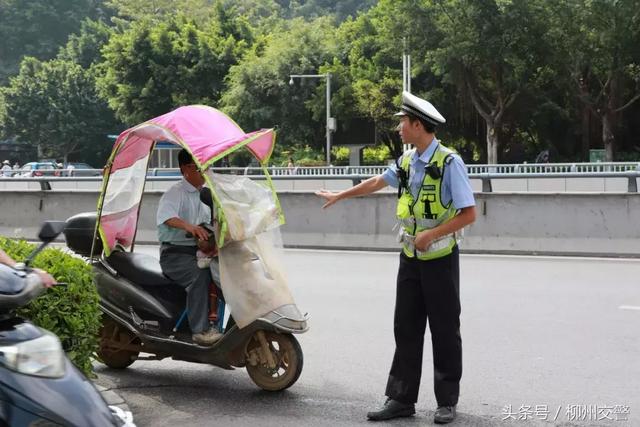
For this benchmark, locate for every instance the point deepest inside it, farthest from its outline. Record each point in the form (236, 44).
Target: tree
(259, 94)
(54, 105)
(154, 67)
(370, 66)
(135, 10)
(491, 51)
(597, 43)
(85, 48)
(290, 9)
(38, 28)
(318, 8)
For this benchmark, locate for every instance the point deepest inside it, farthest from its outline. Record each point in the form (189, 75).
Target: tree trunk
(492, 144)
(607, 136)
(586, 132)
(583, 89)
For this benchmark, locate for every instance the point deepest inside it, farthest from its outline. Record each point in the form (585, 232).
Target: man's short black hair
(184, 158)
(429, 127)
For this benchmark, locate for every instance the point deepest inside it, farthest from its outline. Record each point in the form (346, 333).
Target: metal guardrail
(306, 171)
(486, 173)
(555, 167)
(325, 171)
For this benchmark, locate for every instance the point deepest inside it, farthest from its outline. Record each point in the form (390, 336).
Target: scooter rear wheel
(287, 355)
(113, 338)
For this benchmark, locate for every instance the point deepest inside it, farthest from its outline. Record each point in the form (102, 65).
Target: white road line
(629, 307)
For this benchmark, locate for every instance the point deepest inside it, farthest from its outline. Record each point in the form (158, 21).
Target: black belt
(178, 249)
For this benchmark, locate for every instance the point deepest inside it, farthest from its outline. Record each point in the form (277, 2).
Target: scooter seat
(141, 269)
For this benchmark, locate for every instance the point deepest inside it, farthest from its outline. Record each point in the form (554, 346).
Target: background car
(80, 169)
(39, 169)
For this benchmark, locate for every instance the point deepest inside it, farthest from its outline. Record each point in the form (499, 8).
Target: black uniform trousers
(427, 290)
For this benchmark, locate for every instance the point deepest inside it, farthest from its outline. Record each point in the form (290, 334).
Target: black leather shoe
(444, 414)
(392, 409)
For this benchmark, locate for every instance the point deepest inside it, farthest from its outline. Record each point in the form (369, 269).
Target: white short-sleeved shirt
(182, 200)
(455, 182)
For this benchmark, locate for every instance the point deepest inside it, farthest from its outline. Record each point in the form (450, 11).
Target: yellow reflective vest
(427, 210)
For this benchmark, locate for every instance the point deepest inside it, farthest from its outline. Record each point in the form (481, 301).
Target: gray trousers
(179, 265)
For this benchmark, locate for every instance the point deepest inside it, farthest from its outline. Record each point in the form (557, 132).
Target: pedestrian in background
(6, 169)
(291, 166)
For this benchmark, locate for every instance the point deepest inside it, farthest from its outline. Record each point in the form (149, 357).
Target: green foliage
(72, 313)
(260, 10)
(341, 155)
(302, 155)
(54, 105)
(85, 47)
(38, 28)
(259, 94)
(371, 47)
(595, 44)
(511, 77)
(376, 155)
(135, 10)
(154, 67)
(628, 156)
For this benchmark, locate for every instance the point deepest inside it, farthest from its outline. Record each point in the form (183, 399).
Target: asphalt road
(546, 341)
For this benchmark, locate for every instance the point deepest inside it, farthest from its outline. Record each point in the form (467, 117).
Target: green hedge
(72, 312)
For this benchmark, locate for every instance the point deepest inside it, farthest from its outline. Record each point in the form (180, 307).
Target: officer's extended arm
(366, 187)
(465, 217)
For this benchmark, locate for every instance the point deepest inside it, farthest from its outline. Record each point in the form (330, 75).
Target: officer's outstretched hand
(330, 197)
(423, 240)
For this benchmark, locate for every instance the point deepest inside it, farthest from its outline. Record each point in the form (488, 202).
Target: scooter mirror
(206, 197)
(50, 230)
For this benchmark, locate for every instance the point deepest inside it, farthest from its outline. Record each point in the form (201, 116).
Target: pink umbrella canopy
(208, 134)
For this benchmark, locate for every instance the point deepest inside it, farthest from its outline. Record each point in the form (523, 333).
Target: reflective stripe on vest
(444, 243)
(427, 211)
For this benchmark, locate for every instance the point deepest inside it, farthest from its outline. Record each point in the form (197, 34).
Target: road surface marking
(629, 307)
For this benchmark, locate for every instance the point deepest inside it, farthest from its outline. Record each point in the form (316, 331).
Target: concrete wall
(561, 223)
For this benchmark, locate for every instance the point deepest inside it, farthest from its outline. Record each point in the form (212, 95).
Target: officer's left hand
(423, 240)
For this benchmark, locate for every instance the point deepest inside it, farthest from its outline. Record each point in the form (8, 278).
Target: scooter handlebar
(33, 288)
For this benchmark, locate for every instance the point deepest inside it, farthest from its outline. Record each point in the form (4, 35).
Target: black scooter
(38, 383)
(144, 313)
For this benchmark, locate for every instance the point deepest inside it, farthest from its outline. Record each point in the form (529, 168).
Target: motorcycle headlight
(41, 357)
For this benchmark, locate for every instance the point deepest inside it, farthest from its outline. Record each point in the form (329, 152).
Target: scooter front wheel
(274, 361)
(116, 345)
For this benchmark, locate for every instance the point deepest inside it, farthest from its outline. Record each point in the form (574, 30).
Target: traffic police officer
(435, 202)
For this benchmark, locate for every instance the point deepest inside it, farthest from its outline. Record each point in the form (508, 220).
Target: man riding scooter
(179, 213)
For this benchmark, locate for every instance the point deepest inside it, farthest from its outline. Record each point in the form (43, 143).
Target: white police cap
(418, 107)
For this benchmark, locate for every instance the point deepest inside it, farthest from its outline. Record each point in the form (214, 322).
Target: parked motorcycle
(38, 383)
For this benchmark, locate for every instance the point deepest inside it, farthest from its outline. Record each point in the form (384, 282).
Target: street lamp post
(331, 122)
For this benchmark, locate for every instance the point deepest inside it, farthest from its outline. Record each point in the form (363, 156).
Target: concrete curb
(110, 395)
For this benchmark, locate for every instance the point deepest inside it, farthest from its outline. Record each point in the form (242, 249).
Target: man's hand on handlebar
(47, 279)
(208, 247)
(198, 232)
